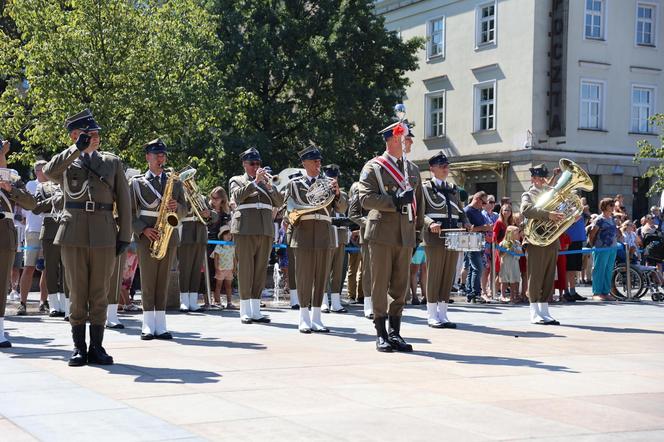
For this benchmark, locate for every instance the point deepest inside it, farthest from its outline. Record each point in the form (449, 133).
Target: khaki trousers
(365, 277)
(355, 271)
(291, 269)
(541, 271)
(390, 274)
(441, 265)
(311, 275)
(6, 264)
(53, 266)
(155, 275)
(190, 262)
(116, 278)
(252, 253)
(88, 274)
(337, 268)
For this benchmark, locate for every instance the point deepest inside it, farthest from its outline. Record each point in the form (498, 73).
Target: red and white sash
(398, 176)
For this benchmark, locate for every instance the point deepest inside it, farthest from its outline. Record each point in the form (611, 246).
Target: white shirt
(395, 159)
(33, 223)
(439, 183)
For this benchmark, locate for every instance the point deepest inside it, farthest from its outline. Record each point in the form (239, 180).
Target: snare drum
(464, 241)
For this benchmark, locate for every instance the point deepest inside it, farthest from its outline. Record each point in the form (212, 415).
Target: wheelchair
(644, 280)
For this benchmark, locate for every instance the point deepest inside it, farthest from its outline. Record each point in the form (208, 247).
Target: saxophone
(559, 199)
(166, 220)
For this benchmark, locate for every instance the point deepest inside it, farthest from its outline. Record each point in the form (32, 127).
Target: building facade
(506, 84)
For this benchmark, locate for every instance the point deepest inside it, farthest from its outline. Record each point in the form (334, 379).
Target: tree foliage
(649, 150)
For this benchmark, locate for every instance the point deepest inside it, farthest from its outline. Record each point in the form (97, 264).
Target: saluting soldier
(443, 210)
(147, 191)
(92, 181)
(191, 255)
(50, 203)
(312, 241)
(341, 237)
(12, 193)
(396, 214)
(541, 260)
(253, 231)
(359, 216)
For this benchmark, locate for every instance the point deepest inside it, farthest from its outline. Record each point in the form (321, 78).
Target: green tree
(323, 71)
(649, 150)
(145, 69)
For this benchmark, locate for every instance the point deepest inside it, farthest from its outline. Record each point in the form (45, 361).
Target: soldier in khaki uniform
(338, 254)
(146, 201)
(355, 289)
(92, 181)
(50, 203)
(541, 260)
(396, 214)
(312, 241)
(191, 255)
(12, 193)
(253, 231)
(359, 216)
(443, 210)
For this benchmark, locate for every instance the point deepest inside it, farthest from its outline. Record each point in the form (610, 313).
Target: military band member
(341, 236)
(146, 201)
(12, 193)
(312, 241)
(92, 181)
(355, 289)
(253, 231)
(396, 214)
(191, 255)
(541, 260)
(50, 203)
(359, 215)
(443, 210)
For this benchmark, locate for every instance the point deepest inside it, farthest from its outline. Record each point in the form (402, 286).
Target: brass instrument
(319, 196)
(561, 199)
(284, 177)
(166, 220)
(192, 193)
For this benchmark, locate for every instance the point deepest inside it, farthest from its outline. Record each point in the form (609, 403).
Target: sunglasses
(254, 163)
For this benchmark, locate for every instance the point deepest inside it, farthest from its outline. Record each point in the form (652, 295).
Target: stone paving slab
(599, 376)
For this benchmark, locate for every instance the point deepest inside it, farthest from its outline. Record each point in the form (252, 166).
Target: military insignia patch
(364, 175)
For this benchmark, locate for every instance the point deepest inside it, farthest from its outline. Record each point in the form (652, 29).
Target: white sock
(255, 305)
(53, 304)
(442, 312)
(543, 308)
(293, 297)
(324, 304)
(316, 320)
(368, 306)
(305, 320)
(160, 322)
(245, 309)
(65, 304)
(336, 301)
(535, 313)
(112, 315)
(432, 313)
(148, 322)
(193, 301)
(3, 338)
(184, 301)
(62, 300)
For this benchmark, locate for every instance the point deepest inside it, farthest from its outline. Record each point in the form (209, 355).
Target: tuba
(192, 193)
(561, 199)
(166, 220)
(319, 196)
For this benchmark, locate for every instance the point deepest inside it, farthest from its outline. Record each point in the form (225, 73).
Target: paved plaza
(599, 376)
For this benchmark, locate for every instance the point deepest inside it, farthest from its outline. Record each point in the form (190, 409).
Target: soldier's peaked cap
(82, 120)
(540, 171)
(155, 146)
(310, 153)
(251, 154)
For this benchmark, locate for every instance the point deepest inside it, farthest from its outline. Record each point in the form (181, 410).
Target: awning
(498, 167)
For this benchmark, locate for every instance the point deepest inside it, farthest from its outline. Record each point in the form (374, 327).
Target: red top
(499, 230)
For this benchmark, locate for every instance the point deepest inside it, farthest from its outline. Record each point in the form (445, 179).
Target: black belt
(89, 206)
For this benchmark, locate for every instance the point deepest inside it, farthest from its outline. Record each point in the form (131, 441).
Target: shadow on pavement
(598, 328)
(493, 360)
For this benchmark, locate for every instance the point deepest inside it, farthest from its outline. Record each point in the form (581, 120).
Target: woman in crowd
(504, 220)
(603, 234)
(219, 204)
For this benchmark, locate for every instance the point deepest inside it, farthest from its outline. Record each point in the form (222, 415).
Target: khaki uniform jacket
(442, 206)
(17, 196)
(385, 222)
(528, 209)
(79, 228)
(312, 233)
(247, 220)
(143, 198)
(355, 211)
(195, 232)
(50, 204)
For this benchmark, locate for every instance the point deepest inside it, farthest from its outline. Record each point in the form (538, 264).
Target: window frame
(601, 107)
(477, 87)
(655, 24)
(653, 107)
(428, 127)
(479, 44)
(429, 44)
(603, 22)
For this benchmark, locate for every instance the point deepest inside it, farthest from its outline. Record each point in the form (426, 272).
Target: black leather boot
(382, 343)
(395, 338)
(96, 353)
(80, 355)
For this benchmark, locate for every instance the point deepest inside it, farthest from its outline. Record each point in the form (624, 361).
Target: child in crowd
(224, 268)
(282, 256)
(510, 274)
(561, 270)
